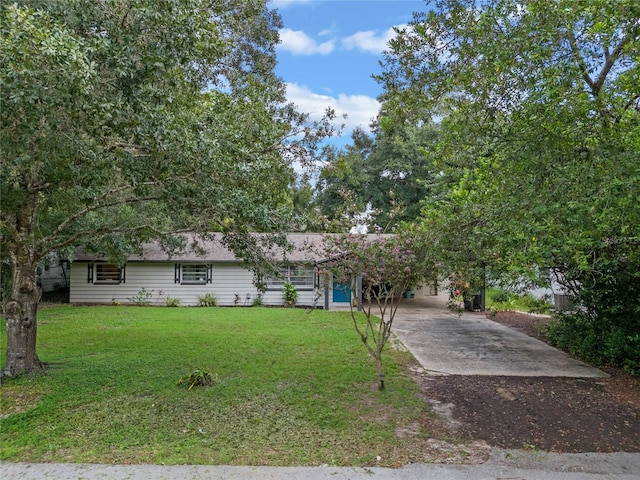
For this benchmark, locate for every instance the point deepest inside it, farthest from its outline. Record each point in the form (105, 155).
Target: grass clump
(290, 388)
(207, 300)
(172, 302)
(197, 378)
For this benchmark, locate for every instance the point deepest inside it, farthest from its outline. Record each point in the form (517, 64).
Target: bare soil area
(557, 414)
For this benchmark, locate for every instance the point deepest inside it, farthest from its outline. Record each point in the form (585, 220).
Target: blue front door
(341, 293)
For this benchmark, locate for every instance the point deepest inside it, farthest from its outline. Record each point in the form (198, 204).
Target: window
(193, 274)
(302, 276)
(105, 273)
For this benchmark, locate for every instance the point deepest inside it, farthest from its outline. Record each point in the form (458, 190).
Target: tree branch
(581, 64)
(46, 242)
(609, 61)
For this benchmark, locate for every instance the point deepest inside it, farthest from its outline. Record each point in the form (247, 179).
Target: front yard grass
(290, 387)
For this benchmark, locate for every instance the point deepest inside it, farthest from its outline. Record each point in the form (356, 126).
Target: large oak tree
(124, 121)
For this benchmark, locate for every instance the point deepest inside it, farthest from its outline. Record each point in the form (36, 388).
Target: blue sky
(330, 48)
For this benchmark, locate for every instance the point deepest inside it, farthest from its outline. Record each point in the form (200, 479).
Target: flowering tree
(375, 271)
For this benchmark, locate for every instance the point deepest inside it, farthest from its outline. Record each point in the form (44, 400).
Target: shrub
(594, 341)
(500, 296)
(172, 302)
(604, 327)
(257, 301)
(504, 300)
(536, 305)
(142, 298)
(207, 300)
(625, 349)
(290, 293)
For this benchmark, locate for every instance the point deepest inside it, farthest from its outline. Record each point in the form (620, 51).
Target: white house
(190, 275)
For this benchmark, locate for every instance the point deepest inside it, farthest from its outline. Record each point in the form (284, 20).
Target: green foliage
(257, 301)
(538, 145)
(140, 142)
(197, 378)
(207, 300)
(500, 296)
(536, 305)
(283, 394)
(386, 176)
(505, 300)
(586, 339)
(142, 298)
(604, 328)
(308, 215)
(172, 302)
(290, 293)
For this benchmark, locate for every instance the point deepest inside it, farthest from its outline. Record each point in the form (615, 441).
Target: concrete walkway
(472, 344)
(502, 465)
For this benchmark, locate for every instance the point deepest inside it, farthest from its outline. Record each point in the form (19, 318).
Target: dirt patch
(526, 323)
(555, 414)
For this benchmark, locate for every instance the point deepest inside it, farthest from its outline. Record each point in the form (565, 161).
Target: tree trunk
(380, 370)
(21, 312)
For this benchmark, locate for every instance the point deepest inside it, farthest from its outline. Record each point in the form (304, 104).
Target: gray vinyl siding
(228, 280)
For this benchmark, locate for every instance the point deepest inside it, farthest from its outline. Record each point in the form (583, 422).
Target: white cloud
(286, 3)
(369, 41)
(299, 43)
(360, 109)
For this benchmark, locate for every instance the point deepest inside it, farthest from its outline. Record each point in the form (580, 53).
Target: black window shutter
(89, 272)
(123, 273)
(209, 273)
(176, 273)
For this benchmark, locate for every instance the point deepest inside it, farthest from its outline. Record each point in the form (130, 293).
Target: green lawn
(291, 388)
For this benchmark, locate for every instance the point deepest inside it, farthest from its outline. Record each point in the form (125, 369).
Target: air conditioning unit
(562, 302)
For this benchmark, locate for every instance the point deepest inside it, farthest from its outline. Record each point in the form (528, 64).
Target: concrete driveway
(472, 344)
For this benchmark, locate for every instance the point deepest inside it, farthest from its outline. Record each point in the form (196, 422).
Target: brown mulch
(555, 414)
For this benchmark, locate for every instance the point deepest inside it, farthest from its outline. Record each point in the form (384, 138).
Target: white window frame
(303, 277)
(193, 273)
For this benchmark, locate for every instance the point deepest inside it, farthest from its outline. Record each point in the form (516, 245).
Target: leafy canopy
(127, 120)
(538, 104)
(378, 179)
